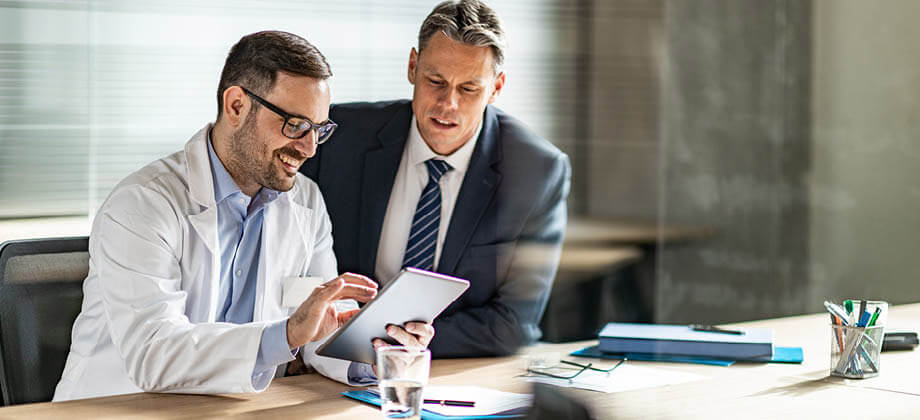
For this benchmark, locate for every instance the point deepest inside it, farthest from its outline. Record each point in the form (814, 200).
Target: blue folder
(372, 398)
(682, 340)
(780, 355)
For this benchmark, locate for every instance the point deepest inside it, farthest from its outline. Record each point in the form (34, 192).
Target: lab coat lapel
(203, 218)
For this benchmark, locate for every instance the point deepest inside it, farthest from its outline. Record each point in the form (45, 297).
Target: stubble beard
(247, 151)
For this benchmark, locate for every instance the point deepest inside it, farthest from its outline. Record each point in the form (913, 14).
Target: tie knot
(437, 168)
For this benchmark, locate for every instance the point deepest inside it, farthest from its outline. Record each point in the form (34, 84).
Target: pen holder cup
(855, 351)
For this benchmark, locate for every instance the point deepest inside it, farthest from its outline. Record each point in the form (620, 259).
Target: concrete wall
(621, 166)
(734, 153)
(865, 178)
(789, 127)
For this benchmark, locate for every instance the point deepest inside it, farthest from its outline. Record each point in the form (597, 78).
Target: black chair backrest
(41, 291)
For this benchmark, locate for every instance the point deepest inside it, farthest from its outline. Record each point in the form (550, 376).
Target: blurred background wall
(865, 177)
(784, 129)
(735, 154)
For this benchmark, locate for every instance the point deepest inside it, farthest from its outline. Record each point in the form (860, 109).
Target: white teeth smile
(288, 160)
(440, 121)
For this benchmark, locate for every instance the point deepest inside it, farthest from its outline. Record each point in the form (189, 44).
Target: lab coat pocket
(295, 290)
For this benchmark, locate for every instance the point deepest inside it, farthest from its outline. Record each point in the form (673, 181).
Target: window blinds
(92, 90)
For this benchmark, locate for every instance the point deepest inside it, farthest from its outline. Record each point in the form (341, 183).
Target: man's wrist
(291, 339)
(273, 348)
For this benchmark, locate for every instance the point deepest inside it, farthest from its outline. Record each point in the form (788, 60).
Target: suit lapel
(479, 185)
(380, 166)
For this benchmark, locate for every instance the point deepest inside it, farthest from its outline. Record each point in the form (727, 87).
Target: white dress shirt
(411, 179)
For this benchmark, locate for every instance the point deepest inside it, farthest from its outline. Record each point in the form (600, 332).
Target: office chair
(41, 291)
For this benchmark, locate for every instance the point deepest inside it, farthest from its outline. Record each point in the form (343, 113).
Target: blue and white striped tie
(423, 237)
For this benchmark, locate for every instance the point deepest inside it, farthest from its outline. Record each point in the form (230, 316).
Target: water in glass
(401, 398)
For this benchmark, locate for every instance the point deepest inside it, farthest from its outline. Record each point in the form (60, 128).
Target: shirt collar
(419, 152)
(224, 185)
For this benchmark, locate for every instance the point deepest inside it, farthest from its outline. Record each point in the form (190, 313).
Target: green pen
(874, 316)
(848, 305)
(862, 347)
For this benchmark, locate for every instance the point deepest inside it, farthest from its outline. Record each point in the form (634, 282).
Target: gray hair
(468, 21)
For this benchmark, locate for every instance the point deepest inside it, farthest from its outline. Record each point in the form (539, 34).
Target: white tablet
(414, 295)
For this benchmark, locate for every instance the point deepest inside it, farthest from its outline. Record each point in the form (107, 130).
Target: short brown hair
(254, 63)
(468, 21)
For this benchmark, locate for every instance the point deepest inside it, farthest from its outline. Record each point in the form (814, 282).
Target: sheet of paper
(625, 378)
(488, 401)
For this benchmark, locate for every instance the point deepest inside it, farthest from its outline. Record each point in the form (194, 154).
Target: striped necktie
(423, 236)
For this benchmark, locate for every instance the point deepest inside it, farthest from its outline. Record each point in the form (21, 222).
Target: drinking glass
(402, 373)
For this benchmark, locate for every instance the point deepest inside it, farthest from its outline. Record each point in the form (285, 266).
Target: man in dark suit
(448, 182)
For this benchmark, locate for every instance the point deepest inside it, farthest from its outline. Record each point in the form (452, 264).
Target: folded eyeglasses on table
(566, 372)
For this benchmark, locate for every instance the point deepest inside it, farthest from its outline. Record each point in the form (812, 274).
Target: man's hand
(316, 317)
(415, 334)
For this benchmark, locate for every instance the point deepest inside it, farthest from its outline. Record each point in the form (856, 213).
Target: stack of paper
(488, 402)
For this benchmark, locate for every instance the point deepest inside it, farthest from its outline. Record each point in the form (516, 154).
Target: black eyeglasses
(581, 367)
(295, 127)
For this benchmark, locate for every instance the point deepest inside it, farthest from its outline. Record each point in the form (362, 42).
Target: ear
(413, 65)
(497, 88)
(236, 106)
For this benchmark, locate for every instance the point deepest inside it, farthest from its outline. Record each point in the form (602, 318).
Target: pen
(714, 329)
(861, 347)
(865, 321)
(867, 358)
(835, 310)
(862, 311)
(875, 316)
(836, 321)
(849, 305)
(452, 403)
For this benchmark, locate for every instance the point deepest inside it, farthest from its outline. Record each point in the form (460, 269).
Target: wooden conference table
(739, 391)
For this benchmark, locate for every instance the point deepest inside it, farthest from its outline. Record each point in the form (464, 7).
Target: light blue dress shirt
(239, 224)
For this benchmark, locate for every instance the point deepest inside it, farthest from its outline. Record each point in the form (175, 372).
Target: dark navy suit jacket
(504, 236)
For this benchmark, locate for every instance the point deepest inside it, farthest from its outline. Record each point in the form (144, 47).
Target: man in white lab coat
(196, 258)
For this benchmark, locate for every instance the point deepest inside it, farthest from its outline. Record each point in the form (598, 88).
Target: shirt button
(239, 273)
(242, 201)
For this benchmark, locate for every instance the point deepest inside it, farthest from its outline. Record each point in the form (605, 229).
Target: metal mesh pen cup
(855, 351)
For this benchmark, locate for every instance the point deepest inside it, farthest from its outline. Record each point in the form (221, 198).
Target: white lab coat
(150, 299)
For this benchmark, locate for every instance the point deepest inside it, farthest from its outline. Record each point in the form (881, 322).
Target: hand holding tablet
(415, 295)
(411, 334)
